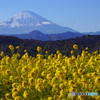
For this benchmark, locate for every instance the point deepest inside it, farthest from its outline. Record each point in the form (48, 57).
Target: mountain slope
(27, 21)
(65, 35)
(64, 46)
(37, 35)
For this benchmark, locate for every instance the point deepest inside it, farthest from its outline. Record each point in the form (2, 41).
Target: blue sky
(81, 15)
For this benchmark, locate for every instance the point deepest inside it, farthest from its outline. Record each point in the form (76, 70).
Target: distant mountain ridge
(27, 21)
(37, 35)
(91, 33)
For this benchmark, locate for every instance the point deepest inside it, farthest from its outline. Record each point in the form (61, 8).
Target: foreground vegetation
(49, 77)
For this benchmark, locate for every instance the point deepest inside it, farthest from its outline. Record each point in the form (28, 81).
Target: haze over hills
(91, 33)
(37, 35)
(27, 21)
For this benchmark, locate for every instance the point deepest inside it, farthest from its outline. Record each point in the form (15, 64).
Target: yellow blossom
(39, 49)
(17, 47)
(75, 46)
(25, 94)
(72, 52)
(31, 81)
(18, 98)
(15, 94)
(7, 95)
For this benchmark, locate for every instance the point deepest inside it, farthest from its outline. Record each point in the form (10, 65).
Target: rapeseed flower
(52, 78)
(8, 72)
(7, 95)
(40, 80)
(57, 51)
(19, 88)
(14, 90)
(18, 98)
(49, 76)
(50, 98)
(15, 94)
(11, 48)
(86, 48)
(72, 52)
(17, 47)
(46, 52)
(14, 85)
(25, 50)
(2, 54)
(25, 94)
(39, 49)
(24, 84)
(75, 46)
(31, 81)
(97, 80)
(62, 86)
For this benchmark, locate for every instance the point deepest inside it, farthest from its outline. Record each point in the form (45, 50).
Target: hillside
(37, 35)
(91, 41)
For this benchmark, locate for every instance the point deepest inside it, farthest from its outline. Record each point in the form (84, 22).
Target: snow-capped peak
(26, 18)
(27, 21)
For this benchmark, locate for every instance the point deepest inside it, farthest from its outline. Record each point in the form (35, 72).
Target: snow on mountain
(27, 21)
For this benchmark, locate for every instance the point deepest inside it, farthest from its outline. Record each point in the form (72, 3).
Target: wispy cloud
(46, 23)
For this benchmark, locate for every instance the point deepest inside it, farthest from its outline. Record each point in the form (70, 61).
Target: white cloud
(46, 23)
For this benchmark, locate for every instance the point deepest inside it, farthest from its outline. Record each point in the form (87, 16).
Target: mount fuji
(27, 21)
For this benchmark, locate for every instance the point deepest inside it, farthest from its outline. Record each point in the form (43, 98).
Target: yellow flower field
(52, 77)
